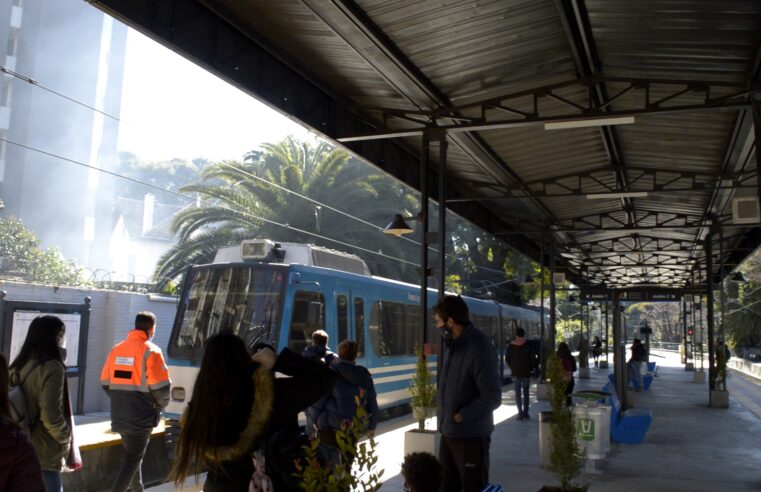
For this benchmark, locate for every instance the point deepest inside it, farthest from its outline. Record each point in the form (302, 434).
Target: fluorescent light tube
(587, 122)
(612, 196)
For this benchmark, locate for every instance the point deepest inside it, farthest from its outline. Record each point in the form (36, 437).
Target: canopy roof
(624, 205)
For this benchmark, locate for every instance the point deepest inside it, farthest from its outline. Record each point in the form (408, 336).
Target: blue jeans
(130, 476)
(52, 481)
(521, 401)
(635, 374)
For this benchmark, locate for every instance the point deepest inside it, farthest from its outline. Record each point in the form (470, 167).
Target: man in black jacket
(468, 393)
(520, 358)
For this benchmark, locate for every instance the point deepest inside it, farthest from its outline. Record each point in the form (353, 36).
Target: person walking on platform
(239, 407)
(468, 393)
(136, 379)
(339, 407)
(520, 358)
(597, 350)
(40, 370)
(19, 467)
(636, 362)
(569, 365)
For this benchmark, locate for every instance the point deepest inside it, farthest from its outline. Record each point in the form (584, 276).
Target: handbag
(74, 458)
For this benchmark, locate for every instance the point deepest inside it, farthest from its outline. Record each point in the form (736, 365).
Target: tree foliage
(23, 258)
(565, 453)
(292, 191)
(169, 175)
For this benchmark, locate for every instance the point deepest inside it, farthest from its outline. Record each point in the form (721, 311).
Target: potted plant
(423, 402)
(565, 453)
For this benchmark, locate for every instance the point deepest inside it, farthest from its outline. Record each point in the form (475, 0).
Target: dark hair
(453, 307)
(5, 409)
(145, 320)
(41, 341)
(225, 367)
(422, 472)
(563, 350)
(520, 332)
(320, 337)
(348, 350)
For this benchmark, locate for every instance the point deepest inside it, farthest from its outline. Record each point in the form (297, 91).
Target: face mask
(62, 351)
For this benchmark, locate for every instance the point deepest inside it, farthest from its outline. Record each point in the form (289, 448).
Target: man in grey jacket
(468, 393)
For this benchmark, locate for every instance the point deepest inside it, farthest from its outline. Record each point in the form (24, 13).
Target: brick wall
(112, 316)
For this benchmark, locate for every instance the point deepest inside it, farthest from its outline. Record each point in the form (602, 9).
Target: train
(280, 293)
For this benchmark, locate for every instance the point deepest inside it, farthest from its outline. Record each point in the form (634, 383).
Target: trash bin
(545, 433)
(593, 428)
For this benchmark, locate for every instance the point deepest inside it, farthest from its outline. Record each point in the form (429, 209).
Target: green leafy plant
(565, 454)
(356, 471)
(422, 389)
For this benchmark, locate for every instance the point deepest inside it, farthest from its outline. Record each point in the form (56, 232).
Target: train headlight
(178, 393)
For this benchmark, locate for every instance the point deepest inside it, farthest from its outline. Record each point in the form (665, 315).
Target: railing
(670, 346)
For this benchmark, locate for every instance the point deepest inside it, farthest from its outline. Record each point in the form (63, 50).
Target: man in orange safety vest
(136, 379)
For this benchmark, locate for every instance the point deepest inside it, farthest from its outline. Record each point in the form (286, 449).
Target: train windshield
(245, 299)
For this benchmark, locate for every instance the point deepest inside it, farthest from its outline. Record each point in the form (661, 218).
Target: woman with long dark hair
(19, 466)
(40, 369)
(569, 365)
(237, 403)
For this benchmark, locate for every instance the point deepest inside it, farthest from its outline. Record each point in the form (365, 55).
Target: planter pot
(689, 366)
(603, 364)
(719, 399)
(541, 391)
(416, 441)
(699, 377)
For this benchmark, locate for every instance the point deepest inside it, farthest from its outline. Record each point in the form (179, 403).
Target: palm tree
(292, 191)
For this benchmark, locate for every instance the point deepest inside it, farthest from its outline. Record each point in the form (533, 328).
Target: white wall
(111, 318)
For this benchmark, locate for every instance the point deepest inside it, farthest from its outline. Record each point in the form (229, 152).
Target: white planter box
(719, 399)
(416, 441)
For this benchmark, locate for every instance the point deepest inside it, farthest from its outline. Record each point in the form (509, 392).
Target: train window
(393, 327)
(244, 300)
(342, 318)
(359, 324)
(307, 317)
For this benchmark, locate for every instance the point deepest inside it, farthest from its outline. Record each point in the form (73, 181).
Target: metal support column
(542, 352)
(756, 109)
(619, 354)
(607, 333)
(424, 156)
(442, 212)
(709, 310)
(550, 342)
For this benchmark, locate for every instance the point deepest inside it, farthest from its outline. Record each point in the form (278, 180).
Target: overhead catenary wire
(36, 83)
(196, 199)
(256, 217)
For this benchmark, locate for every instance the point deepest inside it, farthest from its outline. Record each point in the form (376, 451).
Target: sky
(172, 108)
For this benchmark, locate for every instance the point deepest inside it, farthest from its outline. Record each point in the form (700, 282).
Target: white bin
(593, 429)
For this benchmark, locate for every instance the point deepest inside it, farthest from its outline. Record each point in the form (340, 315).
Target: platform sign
(21, 321)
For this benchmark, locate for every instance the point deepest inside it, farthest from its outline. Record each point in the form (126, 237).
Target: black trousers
(465, 462)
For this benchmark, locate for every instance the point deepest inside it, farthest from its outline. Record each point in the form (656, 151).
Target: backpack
(17, 400)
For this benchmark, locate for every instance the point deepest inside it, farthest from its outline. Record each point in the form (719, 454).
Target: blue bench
(647, 379)
(630, 426)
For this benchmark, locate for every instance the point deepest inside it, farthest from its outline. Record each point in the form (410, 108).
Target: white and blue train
(282, 293)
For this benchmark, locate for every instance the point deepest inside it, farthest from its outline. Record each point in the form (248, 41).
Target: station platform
(689, 446)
